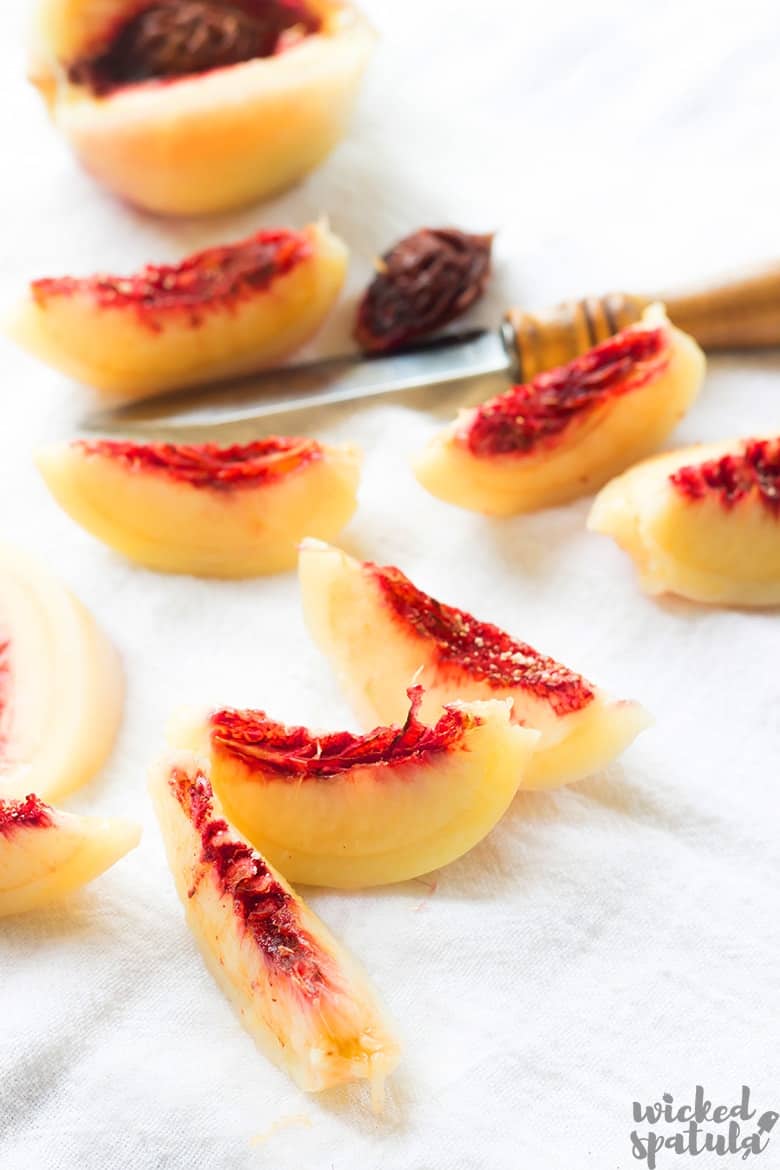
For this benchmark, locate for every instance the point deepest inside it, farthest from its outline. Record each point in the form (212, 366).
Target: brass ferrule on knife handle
(551, 337)
(743, 314)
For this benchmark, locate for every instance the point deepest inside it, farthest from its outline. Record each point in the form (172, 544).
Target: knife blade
(471, 364)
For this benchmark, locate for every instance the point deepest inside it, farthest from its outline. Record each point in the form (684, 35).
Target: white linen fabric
(607, 943)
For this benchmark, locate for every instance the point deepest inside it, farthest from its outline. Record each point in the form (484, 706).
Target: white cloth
(606, 943)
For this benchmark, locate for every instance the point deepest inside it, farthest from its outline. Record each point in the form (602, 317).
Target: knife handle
(740, 314)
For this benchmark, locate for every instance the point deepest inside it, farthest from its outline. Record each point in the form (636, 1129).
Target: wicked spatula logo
(667, 1127)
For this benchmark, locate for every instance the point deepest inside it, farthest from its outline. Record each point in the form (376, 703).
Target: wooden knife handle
(740, 314)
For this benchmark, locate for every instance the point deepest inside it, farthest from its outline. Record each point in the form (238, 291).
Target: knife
(470, 366)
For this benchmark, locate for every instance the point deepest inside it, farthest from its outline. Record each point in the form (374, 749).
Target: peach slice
(342, 810)
(237, 511)
(228, 310)
(45, 853)
(60, 684)
(352, 607)
(703, 522)
(299, 994)
(570, 429)
(188, 107)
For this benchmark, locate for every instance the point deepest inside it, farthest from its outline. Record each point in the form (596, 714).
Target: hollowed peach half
(703, 522)
(343, 810)
(211, 511)
(187, 107)
(379, 631)
(45, 853)
(60, 684)
(226, 311)
(570, 429)
(303, 999)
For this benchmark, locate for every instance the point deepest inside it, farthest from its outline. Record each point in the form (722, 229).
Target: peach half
(225, 311)
(703, 522)
(60, 684)
(343, 810)
(187, 107)
(45, 853)
(570, 429)
(351, 608)
(298, 993)
(210, 511)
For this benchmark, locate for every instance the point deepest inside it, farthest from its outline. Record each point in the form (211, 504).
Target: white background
(606, 943)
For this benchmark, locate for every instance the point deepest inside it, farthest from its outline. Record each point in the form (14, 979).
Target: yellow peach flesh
(377, 823)
(347, 617)
(41, 863)
(323, 1036)
(63, 702)
(124, 356)
(210, 141)
(590, 451)
(698, 548)
(174, 526)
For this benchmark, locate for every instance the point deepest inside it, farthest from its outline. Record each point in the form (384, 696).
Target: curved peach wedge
(342, 810)
(570, 429)
(60, 684)
(225, 311)
(703, 522)
(195, 107)
(45, 853)
(211, 511)
(302, 998)
(351, 607)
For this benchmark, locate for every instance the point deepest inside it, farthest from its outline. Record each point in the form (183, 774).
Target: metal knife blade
(472, 365)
